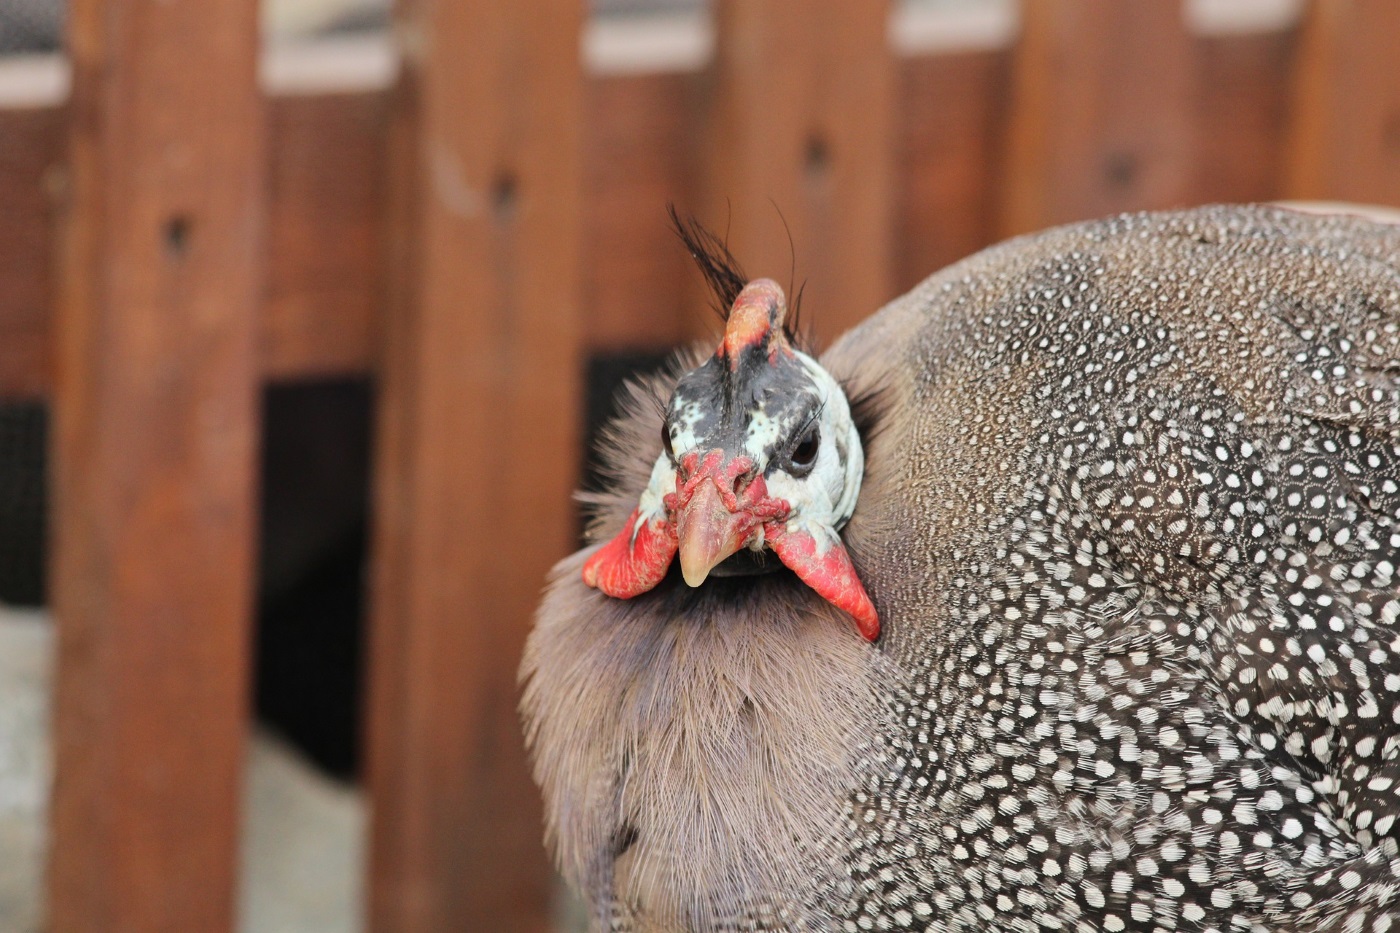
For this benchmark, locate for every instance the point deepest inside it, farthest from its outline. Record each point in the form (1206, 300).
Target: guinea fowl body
(1130, 520)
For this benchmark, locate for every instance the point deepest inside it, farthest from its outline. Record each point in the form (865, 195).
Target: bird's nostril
(735, 478)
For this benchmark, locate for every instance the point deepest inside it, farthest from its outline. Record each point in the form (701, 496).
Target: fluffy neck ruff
(697, 749)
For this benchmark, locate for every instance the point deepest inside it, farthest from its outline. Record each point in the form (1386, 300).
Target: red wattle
(629, 565)
(830, 573)
(637, 559)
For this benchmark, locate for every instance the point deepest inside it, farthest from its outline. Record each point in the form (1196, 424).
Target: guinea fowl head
(760, 455)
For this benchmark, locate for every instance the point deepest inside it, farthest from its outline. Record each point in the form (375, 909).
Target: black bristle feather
(725, 276)
(712, 256)
(793, 325)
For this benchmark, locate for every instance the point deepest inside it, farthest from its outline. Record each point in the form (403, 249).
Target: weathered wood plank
(952, 111)
(1241, 113)
(1101, 117)
(326, 275)
(801, 128)
(325, 265)
(326, 272)
(326, 249)
(637, 159)
(1345, 139)
(479, 402)
(31, 154)
(154, 467)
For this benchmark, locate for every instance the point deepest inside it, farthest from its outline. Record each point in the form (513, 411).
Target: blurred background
(308, 309)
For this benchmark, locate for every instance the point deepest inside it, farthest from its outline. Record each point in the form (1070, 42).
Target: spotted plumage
(1130, 520)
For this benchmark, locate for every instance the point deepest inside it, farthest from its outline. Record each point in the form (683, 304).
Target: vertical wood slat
(154, 463)
(325, 275)
(801, 123)
(31, 144)
(479, 404)
(1100, 119)
(1345, 139)
(635, 163)
(1242, 112)
(949, 145)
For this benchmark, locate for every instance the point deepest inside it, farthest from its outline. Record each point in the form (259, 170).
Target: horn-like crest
(755, 320)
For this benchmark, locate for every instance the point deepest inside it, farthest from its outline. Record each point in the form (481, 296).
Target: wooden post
(1345, 139)
(477, 455)
(154, 442)
(801, 129)
(1101, 112)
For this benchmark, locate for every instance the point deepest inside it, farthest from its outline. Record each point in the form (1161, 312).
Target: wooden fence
(172, 237)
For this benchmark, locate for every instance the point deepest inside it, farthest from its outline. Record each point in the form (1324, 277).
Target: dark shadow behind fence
(174, 236)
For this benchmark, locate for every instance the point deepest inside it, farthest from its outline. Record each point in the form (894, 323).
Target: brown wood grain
(326, 249)
(1241, 111)
(801, 128)
(1101, 114)
(643, 143)
(32, 150)
(641, 133)
(325, 253)
(951, 129)
(476, 456)
(153, 464)
(1345, 138)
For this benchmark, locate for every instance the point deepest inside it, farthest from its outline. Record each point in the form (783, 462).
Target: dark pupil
(666, 441)
(806, 452)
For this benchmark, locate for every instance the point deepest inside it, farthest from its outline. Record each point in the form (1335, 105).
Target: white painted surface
(663, 42)
(932, 28)
(26, 653)
(362, 62)
(1236, 17)
(33, 80)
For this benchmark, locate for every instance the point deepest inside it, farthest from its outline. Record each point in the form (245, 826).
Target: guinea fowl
(1060, 594)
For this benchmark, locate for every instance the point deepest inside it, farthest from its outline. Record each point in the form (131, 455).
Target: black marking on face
(718, 405)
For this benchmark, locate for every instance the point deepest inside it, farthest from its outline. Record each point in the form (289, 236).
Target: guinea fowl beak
(708, 532)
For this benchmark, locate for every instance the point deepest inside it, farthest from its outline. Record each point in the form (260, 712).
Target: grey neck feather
(687, 783)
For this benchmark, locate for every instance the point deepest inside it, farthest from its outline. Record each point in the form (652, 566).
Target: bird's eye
(804, 455)
(666, 443)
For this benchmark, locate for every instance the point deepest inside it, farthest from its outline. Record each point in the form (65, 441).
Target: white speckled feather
(1131, 520)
